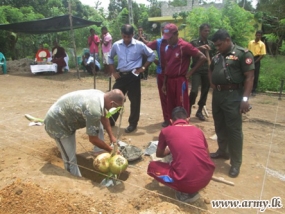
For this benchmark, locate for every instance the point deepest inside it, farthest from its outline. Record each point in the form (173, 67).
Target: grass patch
(268, 102)
(272, 71)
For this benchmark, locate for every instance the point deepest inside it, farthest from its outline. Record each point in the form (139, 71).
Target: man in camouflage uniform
(231, 76)
(76, 110)
(200, 77)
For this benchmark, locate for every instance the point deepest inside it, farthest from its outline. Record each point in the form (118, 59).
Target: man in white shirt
(88, 63)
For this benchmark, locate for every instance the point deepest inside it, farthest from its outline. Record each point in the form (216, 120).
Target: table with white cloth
(43, 68)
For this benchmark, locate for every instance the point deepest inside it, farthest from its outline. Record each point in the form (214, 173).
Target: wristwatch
(245, 99)
(143, 68)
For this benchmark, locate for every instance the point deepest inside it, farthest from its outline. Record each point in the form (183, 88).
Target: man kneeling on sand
(191, 168)
(91, 65)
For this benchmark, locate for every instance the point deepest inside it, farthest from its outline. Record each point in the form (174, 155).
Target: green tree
(241, 23)
(116, 24)
(271, 14)
(272, 7)
(98, 7)
(38, 5)
(201, 15)
(10, 41)
(12, 11)
(231, 17)
(183, 15)
(246, 4)
(50, 7)
(154, 9)
(115, 7)
(142, 14)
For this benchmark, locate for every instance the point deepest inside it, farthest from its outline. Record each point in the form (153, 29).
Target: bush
(272, 71)
(282, 49)
(152, 69)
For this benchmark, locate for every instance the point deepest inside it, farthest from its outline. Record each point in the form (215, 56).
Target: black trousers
(197, 79)
(90, 67)
(256, 74)
(131, 84)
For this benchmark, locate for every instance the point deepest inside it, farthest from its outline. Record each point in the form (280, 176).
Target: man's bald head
(114, 96)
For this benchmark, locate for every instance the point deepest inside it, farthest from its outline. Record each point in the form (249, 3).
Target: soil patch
(33, 179)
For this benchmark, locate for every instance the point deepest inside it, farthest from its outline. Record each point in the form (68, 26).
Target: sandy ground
(33, 179)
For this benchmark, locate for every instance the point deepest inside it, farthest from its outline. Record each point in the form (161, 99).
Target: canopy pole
(73, 38)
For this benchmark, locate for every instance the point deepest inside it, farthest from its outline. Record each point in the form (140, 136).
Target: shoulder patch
(248, 61)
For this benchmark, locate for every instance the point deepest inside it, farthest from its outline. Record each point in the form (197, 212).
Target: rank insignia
(248, 61)
(232, 57)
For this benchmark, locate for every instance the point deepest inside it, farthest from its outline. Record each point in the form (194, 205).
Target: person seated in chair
(88, 63)
(42, 54)
(191, 168)
(58, 54)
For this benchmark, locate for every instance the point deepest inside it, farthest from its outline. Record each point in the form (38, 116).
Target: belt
(228, 87)
(125, 73)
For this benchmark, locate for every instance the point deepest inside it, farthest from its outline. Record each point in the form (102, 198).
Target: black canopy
(48, 25)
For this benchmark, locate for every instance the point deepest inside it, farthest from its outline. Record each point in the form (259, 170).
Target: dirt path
(32, 176)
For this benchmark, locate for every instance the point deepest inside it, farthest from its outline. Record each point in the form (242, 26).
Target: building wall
(167, 10)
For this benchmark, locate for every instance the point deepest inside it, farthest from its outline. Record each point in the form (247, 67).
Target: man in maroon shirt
(178, 56)
(191, 168)
(159, 45)
(93, 43)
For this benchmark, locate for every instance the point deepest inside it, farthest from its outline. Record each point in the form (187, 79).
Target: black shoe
(200, 116)
(130, 129)
(186, 197)
(217, 155)
(234, 172)
(165, 124)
